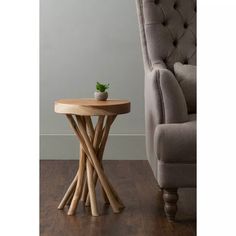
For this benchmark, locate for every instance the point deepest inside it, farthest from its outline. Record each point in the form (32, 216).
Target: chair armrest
(176, 143)
(164, 99)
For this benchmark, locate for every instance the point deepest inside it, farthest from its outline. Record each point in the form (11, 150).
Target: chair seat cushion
(186, 76)
(176, 143)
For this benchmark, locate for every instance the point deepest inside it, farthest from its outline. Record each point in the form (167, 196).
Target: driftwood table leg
(104, 181)
(99, 143)
(70, 198)
(92, 145)
(67, 194)
(79, 185)
(91, 188)
(84, 191)
(95, 136)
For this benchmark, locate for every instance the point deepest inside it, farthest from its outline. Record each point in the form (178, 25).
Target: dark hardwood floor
(135, 183)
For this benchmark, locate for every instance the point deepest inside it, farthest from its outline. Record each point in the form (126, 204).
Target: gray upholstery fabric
(186, 76)
(168, 35)
(164, 103)
(170, 29)
(176, 175)
(174, 104)
(176, 143)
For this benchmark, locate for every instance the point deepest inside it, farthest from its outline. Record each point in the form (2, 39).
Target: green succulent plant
(102, 87)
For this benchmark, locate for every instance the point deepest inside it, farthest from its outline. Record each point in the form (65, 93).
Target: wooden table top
(92, 107)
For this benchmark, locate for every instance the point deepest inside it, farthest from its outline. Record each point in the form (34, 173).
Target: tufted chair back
(168, 32)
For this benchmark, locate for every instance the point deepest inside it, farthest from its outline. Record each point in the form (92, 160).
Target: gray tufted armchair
(168, 35)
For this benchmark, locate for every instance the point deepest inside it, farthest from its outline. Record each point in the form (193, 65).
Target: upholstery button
(164, 23)
(175, 42)
(175, 5)
(164, 60)
(186, 61)
(185, 25)
(156, 2)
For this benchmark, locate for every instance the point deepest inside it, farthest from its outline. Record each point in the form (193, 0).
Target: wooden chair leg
(170, 197)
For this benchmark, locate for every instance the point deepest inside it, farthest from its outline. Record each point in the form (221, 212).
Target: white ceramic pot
(100, 96)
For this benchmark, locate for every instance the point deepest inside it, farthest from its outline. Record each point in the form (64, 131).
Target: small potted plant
(101, 93)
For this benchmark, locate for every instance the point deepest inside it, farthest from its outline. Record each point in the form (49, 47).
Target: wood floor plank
(143, 214)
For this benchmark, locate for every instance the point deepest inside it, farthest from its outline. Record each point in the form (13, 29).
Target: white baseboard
(66, 147)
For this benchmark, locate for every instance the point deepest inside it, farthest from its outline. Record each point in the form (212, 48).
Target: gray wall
(82, 42)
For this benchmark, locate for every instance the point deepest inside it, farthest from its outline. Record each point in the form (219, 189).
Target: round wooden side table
(92, 144)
